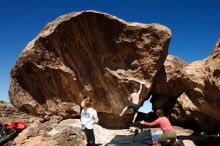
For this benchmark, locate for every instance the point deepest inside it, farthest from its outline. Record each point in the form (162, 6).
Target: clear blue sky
(195, 24)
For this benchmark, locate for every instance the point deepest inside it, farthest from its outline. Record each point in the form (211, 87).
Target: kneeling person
(168, 131)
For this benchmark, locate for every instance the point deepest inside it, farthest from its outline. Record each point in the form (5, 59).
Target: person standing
(168, 131)
(134, 103)
(88, 120)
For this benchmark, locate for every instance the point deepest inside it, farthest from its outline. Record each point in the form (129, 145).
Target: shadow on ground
(202, 140)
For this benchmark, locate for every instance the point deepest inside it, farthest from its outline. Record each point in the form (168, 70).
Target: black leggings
(90, 137)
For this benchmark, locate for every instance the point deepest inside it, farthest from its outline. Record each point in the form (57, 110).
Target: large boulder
(9, 114)
(87, 53)
(167, 87)
(185, 113)
(189, 94)
(202, 79)
(53, 132)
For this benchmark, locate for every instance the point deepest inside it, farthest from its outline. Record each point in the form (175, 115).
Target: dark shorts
(134, 106)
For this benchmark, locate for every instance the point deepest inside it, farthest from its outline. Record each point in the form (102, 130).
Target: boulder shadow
(202, 140)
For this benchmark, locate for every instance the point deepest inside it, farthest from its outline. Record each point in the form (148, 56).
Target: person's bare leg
(123, 111)
(135, 116)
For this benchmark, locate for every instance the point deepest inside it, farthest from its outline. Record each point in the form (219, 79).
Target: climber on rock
(134, 103)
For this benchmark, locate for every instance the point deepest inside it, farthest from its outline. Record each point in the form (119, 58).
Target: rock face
(187, 114)
(87, 53)
(9, 114)
(51, 133)
(189, 94)
(202, 79)
(167, 85)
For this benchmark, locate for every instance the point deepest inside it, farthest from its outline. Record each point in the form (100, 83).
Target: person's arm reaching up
(139, 92)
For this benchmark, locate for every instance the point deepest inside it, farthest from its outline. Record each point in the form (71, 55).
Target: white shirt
(89, 118)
